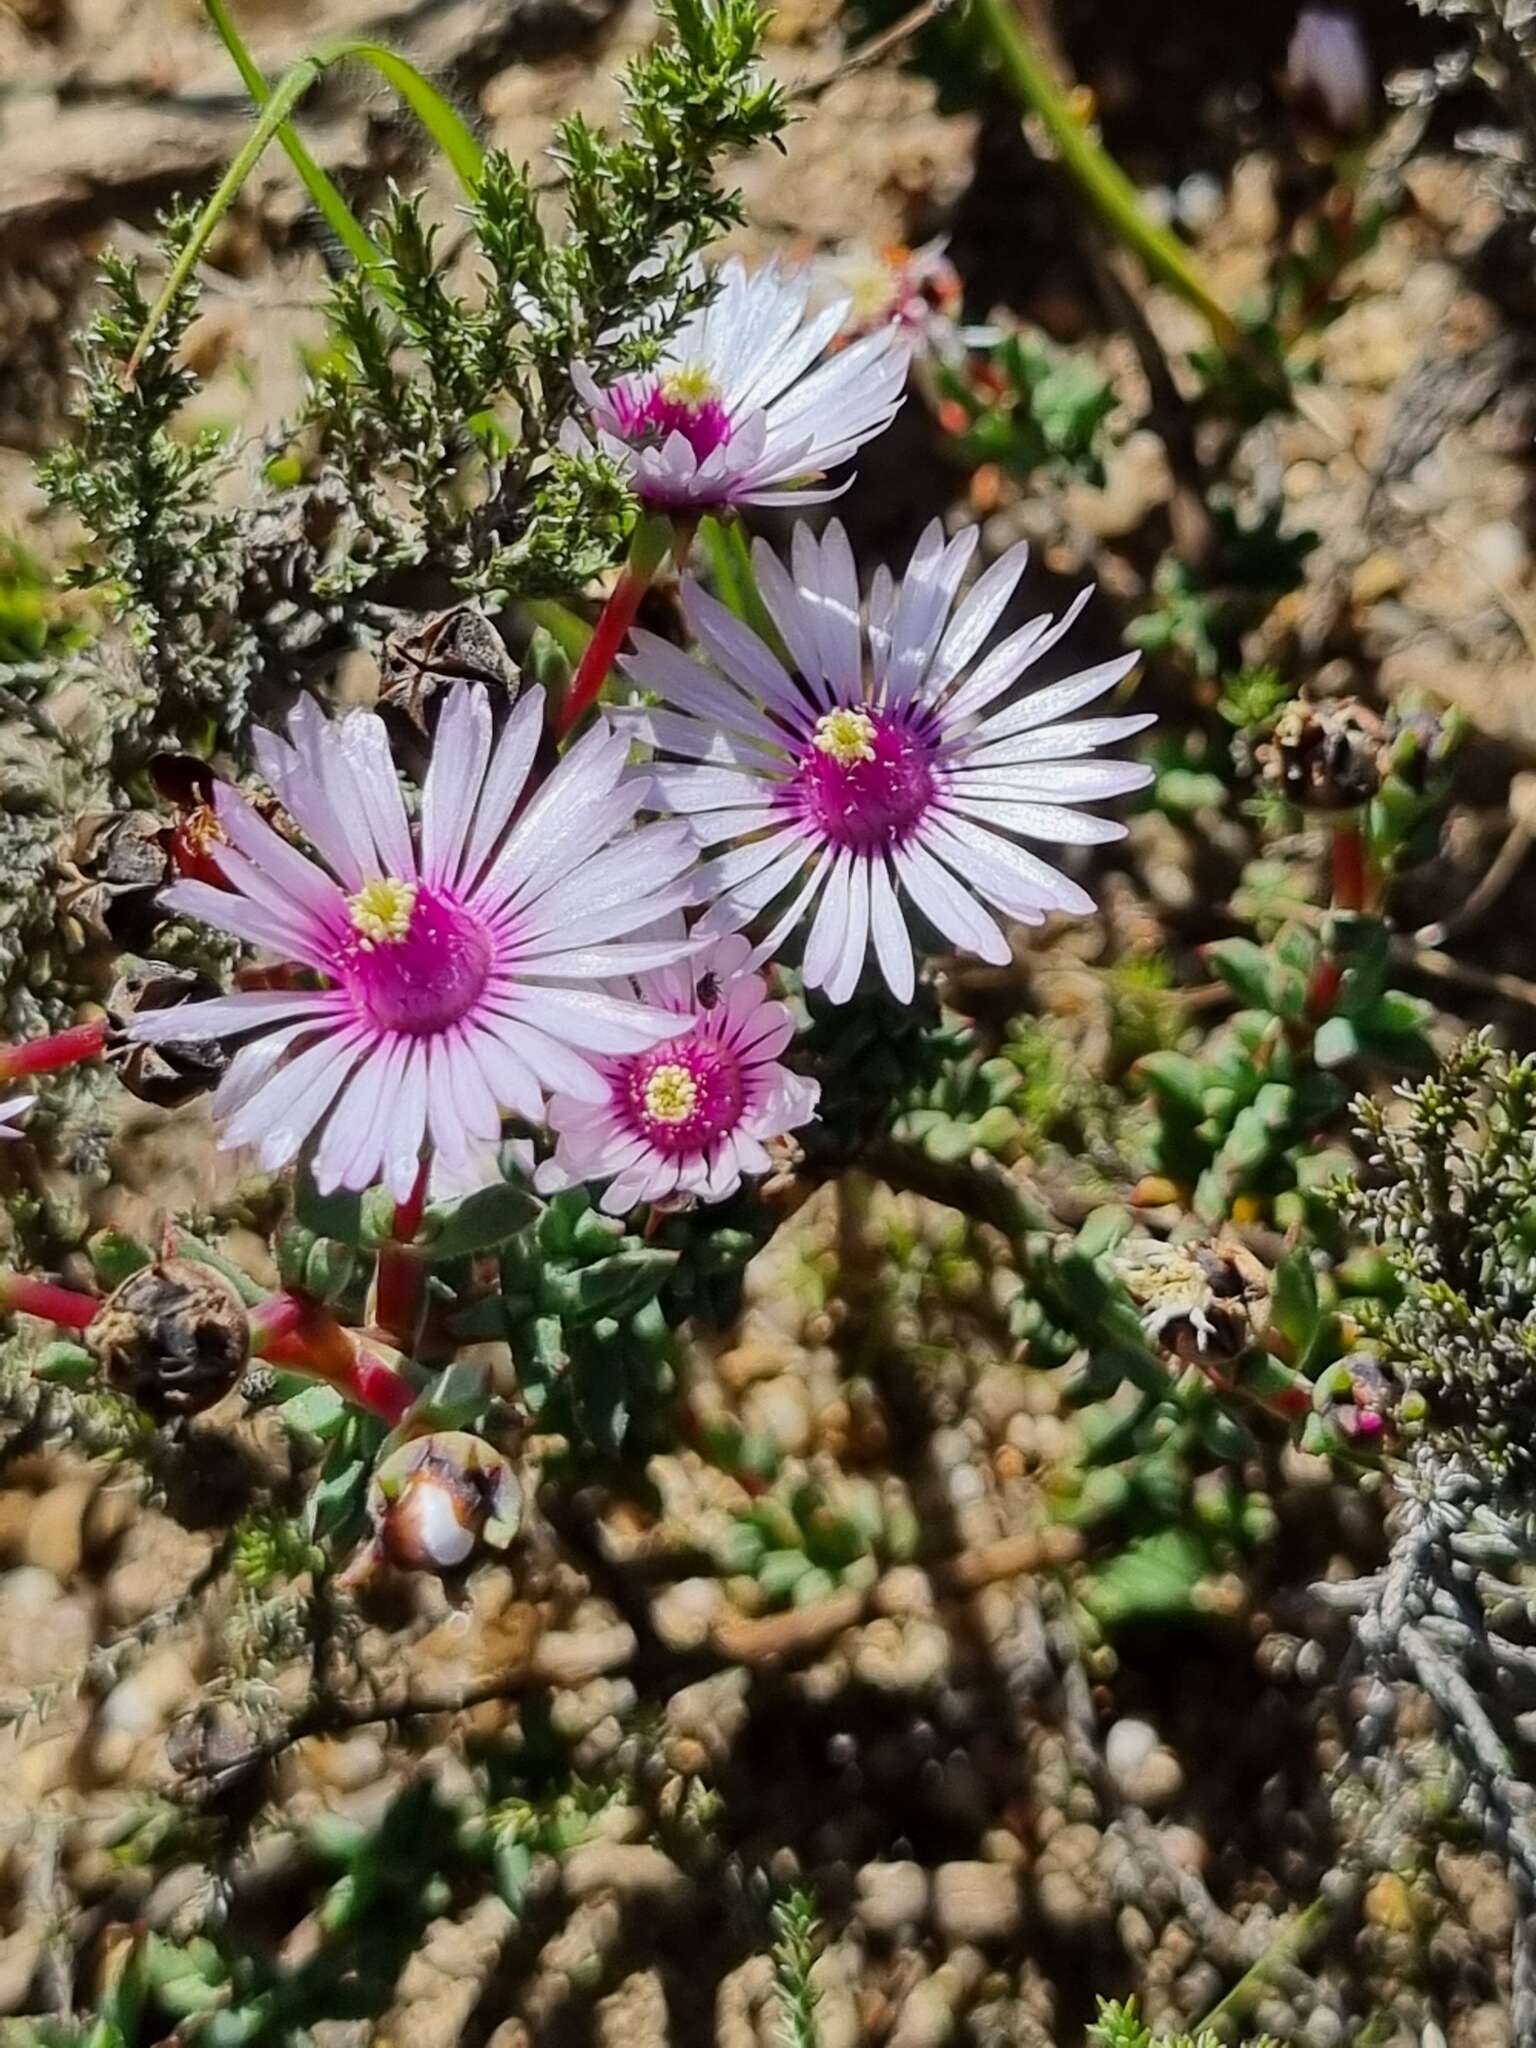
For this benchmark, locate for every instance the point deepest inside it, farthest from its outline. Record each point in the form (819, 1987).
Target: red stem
(398, 1286)
(1351, 888)
(22, 1295)
(608, 636)
(44, 1055)
(307, 1338)
(277, 1320)
(1349, 875)
(377, 1386)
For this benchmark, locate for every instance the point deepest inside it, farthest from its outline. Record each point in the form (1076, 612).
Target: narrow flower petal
(894, 773)
(739, 408)
(462, 977)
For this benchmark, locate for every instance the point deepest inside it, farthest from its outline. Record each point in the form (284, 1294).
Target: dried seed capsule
(112, 869)
(173, 1073)
(1200, 1303)
(437, 1499)
(174, 1337)
(1326, 757)
(418, 663)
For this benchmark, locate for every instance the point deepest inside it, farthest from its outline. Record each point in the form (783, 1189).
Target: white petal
(888, 928)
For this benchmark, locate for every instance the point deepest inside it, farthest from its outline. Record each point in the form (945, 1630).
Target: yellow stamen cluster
(201, 829)
(689, 384)
(873, 287)
(671, 1095)
(381, 911)
(847, 737)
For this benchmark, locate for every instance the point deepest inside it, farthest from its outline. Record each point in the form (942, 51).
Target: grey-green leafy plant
(442, 412)
(168, 561)
(1447, 1191)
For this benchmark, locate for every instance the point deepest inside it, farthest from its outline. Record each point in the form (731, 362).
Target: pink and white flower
(884, 764)
(689, 1117)
(454, 973)
(734, 413)
(11, 1113)
(917, 290)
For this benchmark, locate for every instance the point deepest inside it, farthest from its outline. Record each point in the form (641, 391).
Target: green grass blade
(285, 97)
(329, 203)
(446, 128)
(1105, 186)
(443, 123)
(569, 633)
(730, 561)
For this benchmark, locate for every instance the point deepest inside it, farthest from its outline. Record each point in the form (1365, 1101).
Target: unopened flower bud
(174, 1337)
(437, 1499)
(1326, 757)
(1357, 1397)
(1329, 78)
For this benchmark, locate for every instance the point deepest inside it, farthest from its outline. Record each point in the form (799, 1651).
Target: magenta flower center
(682, 1096)
(414, 960)
(684, 401)
(865, 780)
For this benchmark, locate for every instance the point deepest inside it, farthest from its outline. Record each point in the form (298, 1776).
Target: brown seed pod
(1326, 757)
(1201, 1303)
(174, 1337)
(173, 1073)
(417, 664)
(112, 869)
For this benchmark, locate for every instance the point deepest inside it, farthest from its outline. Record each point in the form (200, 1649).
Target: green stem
(1105, 186)
(569, 633)
(1292, 1942)
(343, 222)
(730, 561)
(445, 127)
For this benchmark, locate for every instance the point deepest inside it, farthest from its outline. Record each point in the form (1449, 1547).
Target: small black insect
(709, 989)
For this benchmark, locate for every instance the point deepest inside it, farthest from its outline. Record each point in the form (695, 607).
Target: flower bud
(174, 1337)
(1329, 79)
(1357, 1397)
(1326, 757)
(437, 1499)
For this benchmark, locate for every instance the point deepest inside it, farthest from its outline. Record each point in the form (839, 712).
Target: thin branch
(1506, 864)
(872, 52)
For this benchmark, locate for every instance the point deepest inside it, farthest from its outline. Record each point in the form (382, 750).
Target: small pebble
(1126, 1748)
(891, 1896)
(976, 1902)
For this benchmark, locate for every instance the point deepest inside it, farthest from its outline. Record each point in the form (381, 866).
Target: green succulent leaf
(1336, 1043)
(478, 1223)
